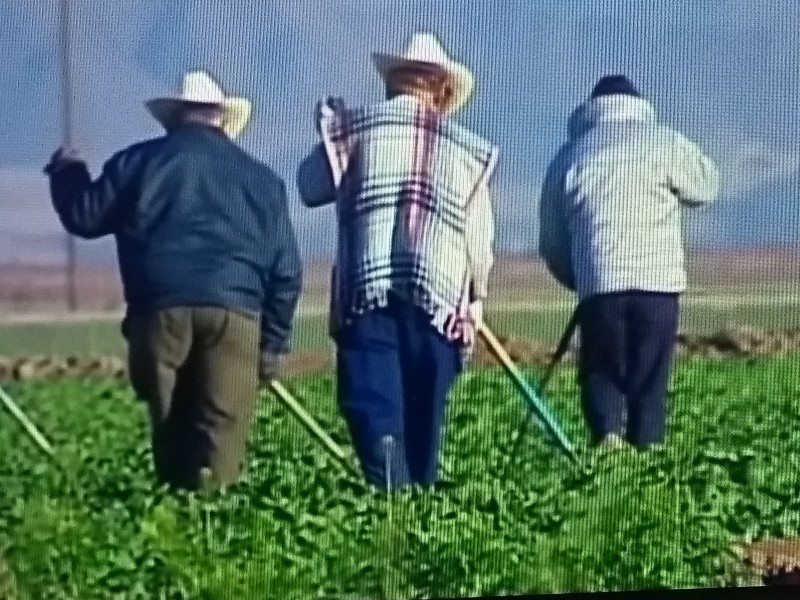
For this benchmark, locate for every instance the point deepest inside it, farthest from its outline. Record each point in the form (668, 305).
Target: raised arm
(85, 208)
(315, 179)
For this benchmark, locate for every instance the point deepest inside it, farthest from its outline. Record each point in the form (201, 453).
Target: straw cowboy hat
(425, 51)
(199, 88)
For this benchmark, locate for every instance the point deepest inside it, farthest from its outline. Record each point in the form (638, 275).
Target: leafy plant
(94, 525)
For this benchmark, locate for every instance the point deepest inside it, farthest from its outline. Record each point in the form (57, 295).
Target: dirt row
(735, 342)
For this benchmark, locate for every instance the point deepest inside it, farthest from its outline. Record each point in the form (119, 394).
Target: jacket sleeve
(554, 235)
(283, 279)
(480, 233)
(85, 208)
(694, 177)
(315, 179)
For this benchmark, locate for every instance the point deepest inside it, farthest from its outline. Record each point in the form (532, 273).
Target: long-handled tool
(26, 423)
(561, 349)
(66, 125)
(311, 425)
(532, 398)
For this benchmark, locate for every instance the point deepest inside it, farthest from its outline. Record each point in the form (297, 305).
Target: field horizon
(746, 288)
(41, 288)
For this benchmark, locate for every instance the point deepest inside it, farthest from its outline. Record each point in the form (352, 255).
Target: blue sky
(727, 73)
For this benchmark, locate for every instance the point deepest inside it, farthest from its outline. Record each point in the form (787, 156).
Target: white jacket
(610, 207)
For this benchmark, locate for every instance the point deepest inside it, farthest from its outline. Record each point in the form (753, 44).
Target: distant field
(754, 287)
(42, 288)
(700, 315)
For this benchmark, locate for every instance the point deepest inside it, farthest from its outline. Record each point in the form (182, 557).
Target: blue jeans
(395, 372)
(627, 344)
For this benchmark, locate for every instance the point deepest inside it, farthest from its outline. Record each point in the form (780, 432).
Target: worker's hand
(327, 107)
(62, 157)
(268, 367)
(465, 329)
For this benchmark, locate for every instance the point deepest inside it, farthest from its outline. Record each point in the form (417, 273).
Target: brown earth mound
(776, 560)
(735, 342)
(738, 342)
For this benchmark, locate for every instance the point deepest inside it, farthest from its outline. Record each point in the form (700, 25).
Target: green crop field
(93, 526)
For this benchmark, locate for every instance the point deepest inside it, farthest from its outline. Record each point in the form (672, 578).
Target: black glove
(62, 158)
(269, 366)
(329, 104)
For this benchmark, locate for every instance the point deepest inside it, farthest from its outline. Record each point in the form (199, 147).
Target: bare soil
(736, 342)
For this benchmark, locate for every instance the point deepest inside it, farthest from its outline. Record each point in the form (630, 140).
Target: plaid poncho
(404, 177)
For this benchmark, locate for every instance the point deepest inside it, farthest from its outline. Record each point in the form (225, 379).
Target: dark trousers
(394, 375)
(197, 370)
(627, 345)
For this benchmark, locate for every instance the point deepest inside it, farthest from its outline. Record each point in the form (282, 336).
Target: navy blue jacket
(197, 222)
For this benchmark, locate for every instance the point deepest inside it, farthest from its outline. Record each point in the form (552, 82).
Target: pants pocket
(216, 326)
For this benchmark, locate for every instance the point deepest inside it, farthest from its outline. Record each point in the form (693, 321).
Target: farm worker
(210, 269)
(415, 247)
(611, 232)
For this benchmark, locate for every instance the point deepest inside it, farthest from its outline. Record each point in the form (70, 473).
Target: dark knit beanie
(615, 84)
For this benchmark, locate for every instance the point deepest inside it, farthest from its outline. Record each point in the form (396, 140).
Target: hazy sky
(725, 72)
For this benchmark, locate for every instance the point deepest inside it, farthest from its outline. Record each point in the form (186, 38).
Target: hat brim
(463, 80)
(236, 112)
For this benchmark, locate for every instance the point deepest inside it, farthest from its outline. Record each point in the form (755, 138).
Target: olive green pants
(197, 370)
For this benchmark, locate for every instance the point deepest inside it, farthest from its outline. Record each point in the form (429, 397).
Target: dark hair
(614, 84)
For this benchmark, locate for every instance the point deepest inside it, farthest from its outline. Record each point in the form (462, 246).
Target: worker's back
(201, 220)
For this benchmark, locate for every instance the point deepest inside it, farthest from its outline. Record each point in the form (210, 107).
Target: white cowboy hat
(424, 50)
(200, 88)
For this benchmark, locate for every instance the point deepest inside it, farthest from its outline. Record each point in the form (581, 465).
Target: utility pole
(66, 124)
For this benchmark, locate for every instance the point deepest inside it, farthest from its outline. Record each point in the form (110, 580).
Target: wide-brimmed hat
(425, 51)
(200, 89)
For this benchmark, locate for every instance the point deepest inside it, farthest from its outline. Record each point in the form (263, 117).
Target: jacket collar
(197, 128)
(605, 109)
